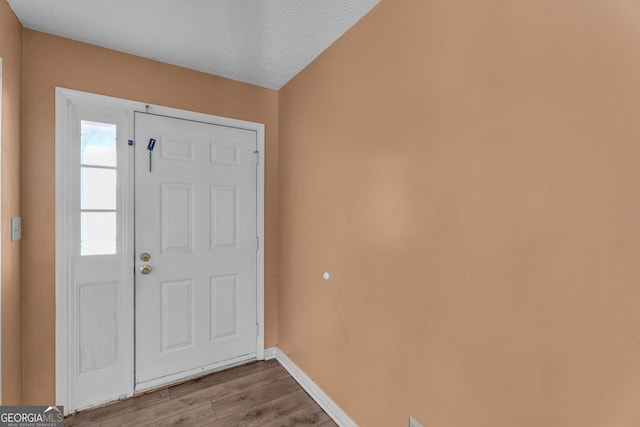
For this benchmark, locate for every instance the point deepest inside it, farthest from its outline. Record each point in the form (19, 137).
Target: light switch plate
(414, 423)
(16, 228)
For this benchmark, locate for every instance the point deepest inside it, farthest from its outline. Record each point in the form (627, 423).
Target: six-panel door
(195, 215)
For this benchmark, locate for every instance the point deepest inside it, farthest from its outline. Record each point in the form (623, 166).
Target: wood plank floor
(256, 394)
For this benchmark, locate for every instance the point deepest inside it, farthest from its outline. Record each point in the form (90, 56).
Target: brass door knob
(145, 269)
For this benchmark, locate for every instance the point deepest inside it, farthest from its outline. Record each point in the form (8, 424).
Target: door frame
(66, 200)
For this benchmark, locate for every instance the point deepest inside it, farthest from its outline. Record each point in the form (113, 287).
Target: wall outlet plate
(414, 423)
(16, 228)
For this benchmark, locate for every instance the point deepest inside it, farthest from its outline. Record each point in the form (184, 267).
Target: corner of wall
(11, 51)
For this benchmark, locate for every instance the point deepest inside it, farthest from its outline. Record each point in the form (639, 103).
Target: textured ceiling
(262, 42)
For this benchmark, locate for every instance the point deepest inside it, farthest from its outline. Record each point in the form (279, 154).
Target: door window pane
(97, 144)
(97, 188)
(97, 233)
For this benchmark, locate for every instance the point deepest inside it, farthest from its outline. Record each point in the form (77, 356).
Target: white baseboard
(321, 398)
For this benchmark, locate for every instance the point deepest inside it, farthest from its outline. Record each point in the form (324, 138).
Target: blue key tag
(150, 147)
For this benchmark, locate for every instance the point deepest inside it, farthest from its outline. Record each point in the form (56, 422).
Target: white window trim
(65, 101)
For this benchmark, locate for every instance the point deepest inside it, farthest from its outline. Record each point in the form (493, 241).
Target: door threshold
(180, 377)
(235, 364)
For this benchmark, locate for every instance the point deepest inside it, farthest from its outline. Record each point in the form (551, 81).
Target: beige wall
(52, 61)
(469, 173)
(11, 54)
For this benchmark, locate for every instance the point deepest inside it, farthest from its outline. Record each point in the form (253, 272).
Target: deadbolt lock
(145, 269)
(145, 256)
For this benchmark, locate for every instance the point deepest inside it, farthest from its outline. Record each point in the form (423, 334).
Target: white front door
(195, 217)
(197, 213)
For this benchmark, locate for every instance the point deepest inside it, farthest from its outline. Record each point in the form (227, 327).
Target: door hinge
(257, 243)
(257, 157)
(257, 329)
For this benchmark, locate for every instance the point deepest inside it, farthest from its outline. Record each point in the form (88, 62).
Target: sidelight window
(98, 188)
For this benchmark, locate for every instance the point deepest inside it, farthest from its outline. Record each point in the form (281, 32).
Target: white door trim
(65, 101)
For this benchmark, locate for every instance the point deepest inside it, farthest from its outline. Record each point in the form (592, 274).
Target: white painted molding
(271, 353)
(316, 393)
